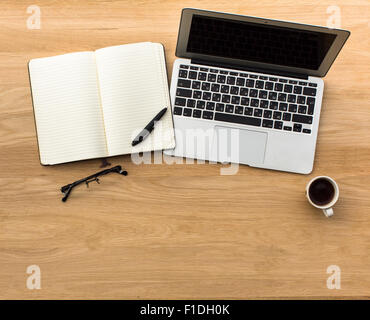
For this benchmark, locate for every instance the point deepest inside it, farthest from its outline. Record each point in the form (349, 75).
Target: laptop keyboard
(245, 98)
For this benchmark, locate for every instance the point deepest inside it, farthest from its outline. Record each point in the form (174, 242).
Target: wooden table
(180, 231)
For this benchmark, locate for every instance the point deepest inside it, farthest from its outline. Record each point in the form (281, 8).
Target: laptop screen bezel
(184, 31)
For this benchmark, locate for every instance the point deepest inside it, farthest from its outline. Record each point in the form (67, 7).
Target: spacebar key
(237, 119)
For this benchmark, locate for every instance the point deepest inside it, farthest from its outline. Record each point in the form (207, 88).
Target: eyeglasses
(66, 190)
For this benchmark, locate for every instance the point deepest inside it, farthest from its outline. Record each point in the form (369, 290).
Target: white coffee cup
(323, 192)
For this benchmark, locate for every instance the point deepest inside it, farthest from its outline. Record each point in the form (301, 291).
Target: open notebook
(93, 104)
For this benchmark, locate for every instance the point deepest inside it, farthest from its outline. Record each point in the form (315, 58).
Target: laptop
(249, 90)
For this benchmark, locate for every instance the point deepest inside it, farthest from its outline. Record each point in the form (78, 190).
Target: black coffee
(321, 192)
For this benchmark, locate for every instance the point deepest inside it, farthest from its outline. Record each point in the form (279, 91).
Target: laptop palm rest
(239, 145)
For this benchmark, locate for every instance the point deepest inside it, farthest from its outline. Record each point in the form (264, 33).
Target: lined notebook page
(133, 87)
(67, 108)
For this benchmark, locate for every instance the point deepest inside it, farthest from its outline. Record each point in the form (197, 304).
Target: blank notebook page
(67, 108)
(133, 88)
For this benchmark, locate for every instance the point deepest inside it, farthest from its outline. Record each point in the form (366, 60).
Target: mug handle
(328, 212)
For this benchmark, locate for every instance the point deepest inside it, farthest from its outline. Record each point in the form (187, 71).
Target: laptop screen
(258, 42)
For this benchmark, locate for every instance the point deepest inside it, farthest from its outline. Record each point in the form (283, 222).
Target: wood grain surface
(180, 231)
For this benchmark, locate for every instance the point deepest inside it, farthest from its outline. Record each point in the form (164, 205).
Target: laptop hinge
(245, 68)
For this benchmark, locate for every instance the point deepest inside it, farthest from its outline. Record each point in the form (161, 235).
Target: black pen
(149, 128)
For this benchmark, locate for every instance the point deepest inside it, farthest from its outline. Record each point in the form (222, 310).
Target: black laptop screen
(258, 42)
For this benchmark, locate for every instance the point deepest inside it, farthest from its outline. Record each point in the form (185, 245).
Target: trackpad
(239, 145)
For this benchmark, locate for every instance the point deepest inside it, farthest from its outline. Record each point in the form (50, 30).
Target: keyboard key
(224, 72)
(272, 95)
(201, 104)
(263, 77)
(225, 89)
(267, 114)
(283, 106)
(277, 115)
(225, 98)
(184, 93)
(244, 101)
(286, 116)
(257, 112)
(230, 80)
(197, 113)
(302, 83)
(215, 87)
(283, 80)
(278, 125)
(248, 111)
(211, 78)
(306, 131)
(274, 105)
(237, 119)
(254, 102)
(234, 73)
(287, 128)
(302, 118)
(262, 94)
(245, 75)
(293, 82)
(267, 123)
(177, 111)
(253, 93)
(311, 84)
(193, 74)
(180, 102)
(282, 97)
(310, 110)
(234, 90)
(297, 89)
(183, 73)
(250, 83)
(235, 99)
(204, 69)
(264, 104)
(207, 96)
(254, 76)
(190, 103)
(293, 108)
(202, 76)
(239, 109)
(310, 101)
(207, 115)
(244, 91)
(288, 88)
(292, 98)
(184, 83)
(220, 107)
(307, 91)
(184, 66)
(269, 85)
(221, 79)
(301, 100)
(206, 86)
(194, 68)
(196, 85)
(229, 108)
(240, 82)
(216, 97)
(297, 127)
(197, 94)
(302, 109)
(260, 84)
(273, 79)
(213, 70)
(210, 106)
(278, 87)
(187, 112)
